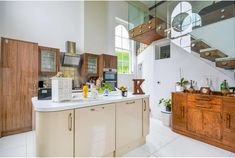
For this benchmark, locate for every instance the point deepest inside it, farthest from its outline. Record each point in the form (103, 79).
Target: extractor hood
(70, 57)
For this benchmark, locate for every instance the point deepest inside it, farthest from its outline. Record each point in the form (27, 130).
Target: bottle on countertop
(85, 91)
(224, 87)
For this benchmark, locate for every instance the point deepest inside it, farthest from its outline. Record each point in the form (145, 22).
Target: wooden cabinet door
(229, 122)
(179, 101)
(54, 134)
(212, 122)
(49, 61)
(107, 61)
(146, 116)
(113, 64)
(194, 120)
(110, 61)
(19, 84)
(95, 131)
(128, 124)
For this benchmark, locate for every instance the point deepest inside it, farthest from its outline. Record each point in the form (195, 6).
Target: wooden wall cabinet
(49, 61)
(208, 118)
(19, 77)
(90, 66)
(107, 62)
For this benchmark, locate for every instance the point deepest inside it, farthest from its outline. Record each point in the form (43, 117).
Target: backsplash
(71, 72)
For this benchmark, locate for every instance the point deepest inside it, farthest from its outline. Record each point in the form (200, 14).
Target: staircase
(210, 13)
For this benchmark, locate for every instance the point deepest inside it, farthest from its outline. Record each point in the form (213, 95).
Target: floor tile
(139, 152)
(14, 152)
(232, 155)
(159, 136)
(30, 144)
(187, 147)
(12, 142)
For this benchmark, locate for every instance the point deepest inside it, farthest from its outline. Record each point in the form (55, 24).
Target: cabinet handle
(182, 111)
(34, 86)
(92, 109)
(133, 102)
(145, 107)
(228, 121)
(70, 120)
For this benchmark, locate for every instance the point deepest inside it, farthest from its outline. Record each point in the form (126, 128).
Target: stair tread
(212, 54)
(226, 63)
(198, 44)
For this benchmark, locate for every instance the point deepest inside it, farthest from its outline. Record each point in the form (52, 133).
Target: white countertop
(79, 102)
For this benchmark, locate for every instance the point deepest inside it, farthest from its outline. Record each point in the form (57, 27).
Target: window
(162, 52)
(123, 49)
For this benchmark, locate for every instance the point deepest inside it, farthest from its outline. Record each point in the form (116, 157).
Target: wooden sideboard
(208, 118)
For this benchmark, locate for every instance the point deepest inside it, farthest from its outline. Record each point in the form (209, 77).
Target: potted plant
(181, 85)
(124, 91)
(166, 103)
(105, 89)
(166, 114)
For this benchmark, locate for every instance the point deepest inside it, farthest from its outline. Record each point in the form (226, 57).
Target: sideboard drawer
(205, 106)
(205, 99)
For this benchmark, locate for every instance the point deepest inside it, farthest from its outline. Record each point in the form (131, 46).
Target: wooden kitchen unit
(49, 61)
(209, 118)
(89, 65)
(18, 84)
(107, 62)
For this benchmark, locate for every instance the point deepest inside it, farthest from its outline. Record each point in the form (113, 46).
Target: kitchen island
(106, 126)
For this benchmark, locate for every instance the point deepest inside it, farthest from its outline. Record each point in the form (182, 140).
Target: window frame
(123, 25)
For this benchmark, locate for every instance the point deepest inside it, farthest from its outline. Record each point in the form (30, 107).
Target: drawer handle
(222, 17)
(150, 27)
(133, 102)
(222, 10)
(150, 22)
(92, 109)
(70, 120)
(228, 121)
(140, 31)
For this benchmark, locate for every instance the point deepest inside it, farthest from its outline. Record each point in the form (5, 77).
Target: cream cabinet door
(54, 134)
(146, 116)
(95, 131)
(128, 122)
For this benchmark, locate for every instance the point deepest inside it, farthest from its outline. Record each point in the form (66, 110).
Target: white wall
(47, 23)
(220, 35)
(95, 31)
(166, 71)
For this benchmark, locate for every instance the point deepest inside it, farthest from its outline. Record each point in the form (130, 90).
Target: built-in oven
(110, 76)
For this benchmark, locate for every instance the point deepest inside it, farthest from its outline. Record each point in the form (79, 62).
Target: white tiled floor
(161, 142)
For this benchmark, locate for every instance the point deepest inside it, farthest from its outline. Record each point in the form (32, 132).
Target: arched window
(123, 49)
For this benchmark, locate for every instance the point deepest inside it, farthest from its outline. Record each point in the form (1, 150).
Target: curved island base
(110, 127)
